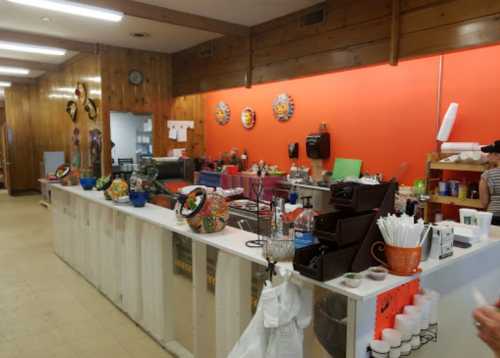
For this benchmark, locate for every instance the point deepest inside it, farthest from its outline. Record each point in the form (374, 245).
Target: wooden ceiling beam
(32, 65)
(21, 80)
(48, 41)
(169, 16)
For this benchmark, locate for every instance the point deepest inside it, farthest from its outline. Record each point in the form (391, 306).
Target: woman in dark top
(489, 187)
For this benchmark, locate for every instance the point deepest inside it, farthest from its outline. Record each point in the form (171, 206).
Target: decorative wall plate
(222, 113)
(248, 117)
(91, 109)
(72, 110)
(62, 171)
(81, 93)
(283, 107)
(135, 77)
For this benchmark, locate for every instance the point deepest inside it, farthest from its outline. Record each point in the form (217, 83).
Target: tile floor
(46, 309)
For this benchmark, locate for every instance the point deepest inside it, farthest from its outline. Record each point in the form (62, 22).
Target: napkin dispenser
(318, 145)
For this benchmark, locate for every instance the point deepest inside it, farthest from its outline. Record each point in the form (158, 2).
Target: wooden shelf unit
(435, 170)
(451, 200)
(461, 167)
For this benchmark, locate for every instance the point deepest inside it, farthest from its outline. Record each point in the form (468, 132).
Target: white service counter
(128, 254)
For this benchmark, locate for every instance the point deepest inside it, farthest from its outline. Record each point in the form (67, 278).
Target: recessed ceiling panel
(243, 12)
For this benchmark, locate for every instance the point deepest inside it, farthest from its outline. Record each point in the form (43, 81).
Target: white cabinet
(94, 250)
(110, 254)
(157, 279)
(129, 260)
(80, 237)
(131, 268)
(58, 221)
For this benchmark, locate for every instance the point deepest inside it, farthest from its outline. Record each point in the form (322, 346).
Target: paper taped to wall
(178, 130)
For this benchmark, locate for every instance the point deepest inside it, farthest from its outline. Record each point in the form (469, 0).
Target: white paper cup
(484, 219)
(393, 338)
(380, 349)
(468, 216)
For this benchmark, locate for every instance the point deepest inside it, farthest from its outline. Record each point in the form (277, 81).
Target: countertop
(232, 240)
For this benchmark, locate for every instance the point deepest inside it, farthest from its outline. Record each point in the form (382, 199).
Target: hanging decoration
(76, 157)
(72, 110)
(81, 93)
(91, 109)
(222, 113)
(95, 137)
(248, 117)
(283, 107)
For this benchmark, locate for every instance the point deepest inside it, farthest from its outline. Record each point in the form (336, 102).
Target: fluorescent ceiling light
(60, 95)
(72, 8)
(65, 89)
(95, 79)
(14, 71)
(18, 47)
(5, 84)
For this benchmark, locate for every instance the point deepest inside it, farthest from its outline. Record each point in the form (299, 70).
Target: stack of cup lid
(424, 303)
(393, 338)
(404, 324)
(380, 349)
(416, 317)
(434, 298)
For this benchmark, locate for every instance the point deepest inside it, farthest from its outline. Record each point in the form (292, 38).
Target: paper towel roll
(448, 122)
(453, 147)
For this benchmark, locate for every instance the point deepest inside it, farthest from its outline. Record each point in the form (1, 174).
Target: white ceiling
(163, 37)
(243, 12)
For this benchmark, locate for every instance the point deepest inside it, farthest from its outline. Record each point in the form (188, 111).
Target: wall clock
(135, 77)
(248, 117)
(81, 93)
(72, 110)
(283, 107)
(222, 113)
(91, 109)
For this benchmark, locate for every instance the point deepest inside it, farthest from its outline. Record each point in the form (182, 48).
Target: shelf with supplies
(436, 173)
(462, 167)
(451, 200)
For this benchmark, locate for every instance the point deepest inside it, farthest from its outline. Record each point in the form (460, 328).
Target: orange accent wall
(472, 79)
(383, 115)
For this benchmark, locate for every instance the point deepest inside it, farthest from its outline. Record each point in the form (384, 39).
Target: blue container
(88, 183)
(139, 198)
(210, 179)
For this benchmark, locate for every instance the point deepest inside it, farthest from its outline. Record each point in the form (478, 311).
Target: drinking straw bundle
(402, 231)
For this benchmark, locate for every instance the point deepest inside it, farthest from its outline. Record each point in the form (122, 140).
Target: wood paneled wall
(54, 128)
(153, 96)
(190, 108)
(354, 33)
(20, 145)
(39, 122)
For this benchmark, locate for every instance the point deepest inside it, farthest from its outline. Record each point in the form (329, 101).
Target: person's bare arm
(488, 319)
(484, 193)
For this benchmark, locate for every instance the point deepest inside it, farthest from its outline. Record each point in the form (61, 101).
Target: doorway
(4, 158)
(131, 141)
